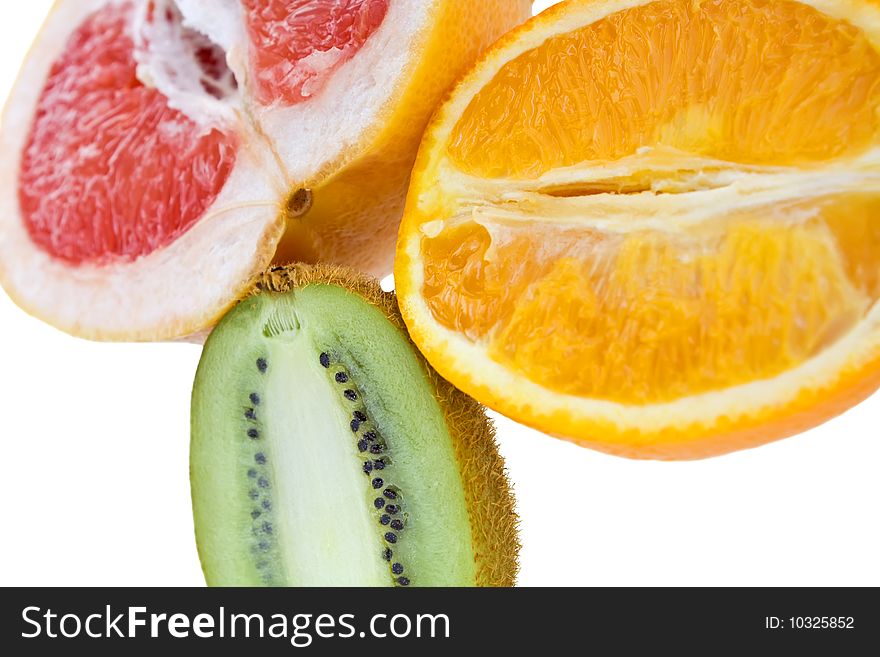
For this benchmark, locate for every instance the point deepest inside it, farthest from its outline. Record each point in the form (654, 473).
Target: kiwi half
(326, 452)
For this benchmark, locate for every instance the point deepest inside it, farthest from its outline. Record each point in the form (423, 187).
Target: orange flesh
(650, 315)
(746, 81)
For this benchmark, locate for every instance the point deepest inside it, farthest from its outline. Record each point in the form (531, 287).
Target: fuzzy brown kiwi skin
(490, 502)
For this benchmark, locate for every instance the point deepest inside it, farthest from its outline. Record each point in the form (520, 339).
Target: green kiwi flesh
(321, 455)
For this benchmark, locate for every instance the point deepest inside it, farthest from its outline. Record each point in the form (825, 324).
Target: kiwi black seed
(310, 383)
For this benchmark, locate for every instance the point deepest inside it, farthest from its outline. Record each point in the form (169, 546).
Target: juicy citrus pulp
(752, 82)
(650, 205)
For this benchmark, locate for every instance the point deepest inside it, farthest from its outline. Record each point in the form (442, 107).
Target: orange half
(654, 228)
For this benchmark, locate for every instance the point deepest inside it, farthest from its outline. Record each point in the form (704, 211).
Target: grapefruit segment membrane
(635, 228)
(153, 151)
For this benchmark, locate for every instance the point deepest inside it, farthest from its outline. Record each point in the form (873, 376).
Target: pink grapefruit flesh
(298, 43)
(109, 170)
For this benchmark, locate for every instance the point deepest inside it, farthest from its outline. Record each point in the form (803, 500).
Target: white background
(94, 481)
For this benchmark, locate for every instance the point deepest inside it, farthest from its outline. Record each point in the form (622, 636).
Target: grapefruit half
(156, 155)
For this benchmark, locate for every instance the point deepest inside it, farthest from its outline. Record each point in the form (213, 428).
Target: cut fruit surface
(802, 89)
(325, 451)
(159, 154)
(93, 117)
(633, 228)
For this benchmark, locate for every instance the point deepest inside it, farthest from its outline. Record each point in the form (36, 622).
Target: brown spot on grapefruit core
(298, 43)
(109, 170)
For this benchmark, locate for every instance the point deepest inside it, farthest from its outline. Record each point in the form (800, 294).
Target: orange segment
(647, 316)
(640, 229)
(758, 81)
